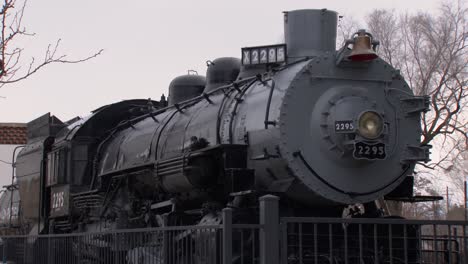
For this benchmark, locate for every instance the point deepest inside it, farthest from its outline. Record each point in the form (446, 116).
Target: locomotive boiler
(320, 128)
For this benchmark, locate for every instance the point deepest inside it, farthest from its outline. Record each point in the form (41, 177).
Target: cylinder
(310, 31)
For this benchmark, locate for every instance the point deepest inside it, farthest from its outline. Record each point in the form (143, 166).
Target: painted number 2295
(57, 200)
(344, 126)
(363, 150)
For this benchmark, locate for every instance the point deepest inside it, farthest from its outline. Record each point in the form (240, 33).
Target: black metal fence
(184, 244)
(210, 244)
(325, 240)
(170, 245)
(274, 240)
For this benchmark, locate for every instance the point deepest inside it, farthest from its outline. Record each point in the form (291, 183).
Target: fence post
(165, 246)
(269, 232)
(4, 257)
(227, 236)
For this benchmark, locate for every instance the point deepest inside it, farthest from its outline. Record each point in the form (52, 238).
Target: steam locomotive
(320, 128)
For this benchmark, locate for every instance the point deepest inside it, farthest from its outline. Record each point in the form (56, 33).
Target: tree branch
(11, 59)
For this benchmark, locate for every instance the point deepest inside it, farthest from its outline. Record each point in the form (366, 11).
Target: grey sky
(147, 43)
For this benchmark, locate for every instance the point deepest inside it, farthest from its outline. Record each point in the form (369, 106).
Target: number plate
(367, 151)
(59, 203)
(344, 126)
(264, 55)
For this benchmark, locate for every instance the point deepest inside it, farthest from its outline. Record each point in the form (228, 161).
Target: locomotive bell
(362, 47)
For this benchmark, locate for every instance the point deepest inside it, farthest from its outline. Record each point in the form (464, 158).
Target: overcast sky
(146, 44)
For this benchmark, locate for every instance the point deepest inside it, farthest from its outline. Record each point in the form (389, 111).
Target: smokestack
(310, 31)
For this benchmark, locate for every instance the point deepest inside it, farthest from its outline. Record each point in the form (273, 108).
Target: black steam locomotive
(322, 129)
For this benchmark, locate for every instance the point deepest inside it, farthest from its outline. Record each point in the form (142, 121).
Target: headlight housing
(370, 125)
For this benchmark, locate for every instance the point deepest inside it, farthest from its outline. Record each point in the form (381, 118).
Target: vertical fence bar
(457, 245)
(315, 244)
(255, 236)
(69, 258)
(176, 248)
(104, 250)
(5, 241)
(465, 246)
(330, 241)
(405, 244)
(449, 243)
(188, 249)
(165, 242)
(376, 251)
(49, 250)
(269, 237)
(436, 253)
(220, 234)
(346, 244)
(204, 246)
(242, 245)
(420, 246)
(158, 249)
(198, 246)
(300, 243)
(227, 236)
(390, 242)
(360, 243)
(284, 242)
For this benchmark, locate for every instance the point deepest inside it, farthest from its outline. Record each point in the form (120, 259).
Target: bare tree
(347, 26)
(13, 67)
(424, 210)
(431, 52)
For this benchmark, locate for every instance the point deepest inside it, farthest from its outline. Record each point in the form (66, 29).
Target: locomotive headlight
(370, 125)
